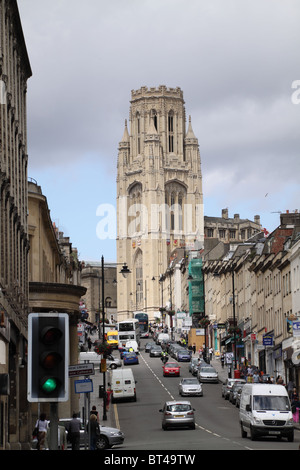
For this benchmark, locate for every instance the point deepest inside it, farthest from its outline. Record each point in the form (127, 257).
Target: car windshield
(278, 403)
(179, 407)
(207, 369)
(190, 381)
(130, 354)
(171, 364)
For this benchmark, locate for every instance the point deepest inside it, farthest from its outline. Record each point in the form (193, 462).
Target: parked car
(227, 386)
(108, 436)
(233, 391)
(178, 413)
(207, 373)
(173, 350)
(155, 351)
(238, 395)
(149, 345)
(190, 386)
(183, 355)
(130, 358)
(193, 365)
(111, 361)
(171, 368)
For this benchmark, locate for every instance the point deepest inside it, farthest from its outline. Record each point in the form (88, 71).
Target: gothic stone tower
(159, 195)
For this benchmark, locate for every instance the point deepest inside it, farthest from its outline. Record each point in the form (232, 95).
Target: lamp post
(124, 271)
(161, 279)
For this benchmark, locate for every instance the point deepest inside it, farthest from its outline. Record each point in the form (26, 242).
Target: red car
(171, 368)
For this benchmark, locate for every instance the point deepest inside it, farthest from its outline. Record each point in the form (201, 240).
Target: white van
(123, 384)
(163, 337)
(265, 410)
(132, 345)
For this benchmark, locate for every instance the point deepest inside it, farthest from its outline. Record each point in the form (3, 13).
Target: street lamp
(161, 279)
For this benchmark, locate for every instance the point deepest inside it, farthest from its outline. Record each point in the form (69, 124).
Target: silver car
(178, 414)
(227, 386)
(111, 361)
(108, 436)
(190, 386)
(207, 374)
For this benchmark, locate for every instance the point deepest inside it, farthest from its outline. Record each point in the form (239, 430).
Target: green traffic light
(49, 385)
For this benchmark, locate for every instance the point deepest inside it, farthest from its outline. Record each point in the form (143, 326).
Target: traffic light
(48, 357)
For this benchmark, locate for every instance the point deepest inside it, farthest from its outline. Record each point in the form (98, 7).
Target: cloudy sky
(236, 62)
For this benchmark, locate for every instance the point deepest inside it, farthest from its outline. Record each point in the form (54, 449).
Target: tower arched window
(153, 116)
(138, 132)
(171, 131)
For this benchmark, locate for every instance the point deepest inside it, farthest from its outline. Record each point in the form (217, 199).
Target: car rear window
(179, 407)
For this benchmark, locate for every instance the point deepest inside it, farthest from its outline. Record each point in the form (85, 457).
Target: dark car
(130, 358)
(183, 355)
(155, 351)
(149, 345)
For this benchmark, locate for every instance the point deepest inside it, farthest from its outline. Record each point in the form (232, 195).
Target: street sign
(83, 386)
(296, 328)
(81, 369)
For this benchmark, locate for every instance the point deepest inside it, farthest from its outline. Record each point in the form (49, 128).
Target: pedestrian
(74, 432)
(94, 431)
(279, 380)
(222, 360)
(95, 412)
(42, 426)
(194, 348)
(256, 377)
(294, 396)
(290, 387)
(108, 395)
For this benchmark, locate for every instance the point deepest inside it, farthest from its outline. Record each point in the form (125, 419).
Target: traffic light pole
(53, 444)
(103, 338)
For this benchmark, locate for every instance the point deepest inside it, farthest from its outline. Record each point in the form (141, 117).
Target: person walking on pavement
(94, 431)
(74, 432)
(42, 425)
(95, 412)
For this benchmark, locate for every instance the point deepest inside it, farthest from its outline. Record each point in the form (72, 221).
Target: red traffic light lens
(50, 335)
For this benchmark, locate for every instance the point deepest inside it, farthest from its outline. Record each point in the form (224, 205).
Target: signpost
(83, 386)
(81, 369)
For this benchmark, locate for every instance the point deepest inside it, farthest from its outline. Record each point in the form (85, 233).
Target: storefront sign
(267, 340)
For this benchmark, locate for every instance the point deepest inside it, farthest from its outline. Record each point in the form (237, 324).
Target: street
(217, 424)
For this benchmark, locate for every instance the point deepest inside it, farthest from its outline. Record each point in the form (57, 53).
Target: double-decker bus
(129, 330)
(143, 322)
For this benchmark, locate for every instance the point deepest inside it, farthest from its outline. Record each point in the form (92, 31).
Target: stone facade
(55, 278)
(91, 279)
(159, 195)
(230, 229)
(257, 284)
(15, 70)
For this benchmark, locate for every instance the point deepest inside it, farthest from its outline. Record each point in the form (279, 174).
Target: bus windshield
(126, 326)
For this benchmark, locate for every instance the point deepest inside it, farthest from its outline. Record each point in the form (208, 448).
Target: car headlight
(290, 422)
(257, 420)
